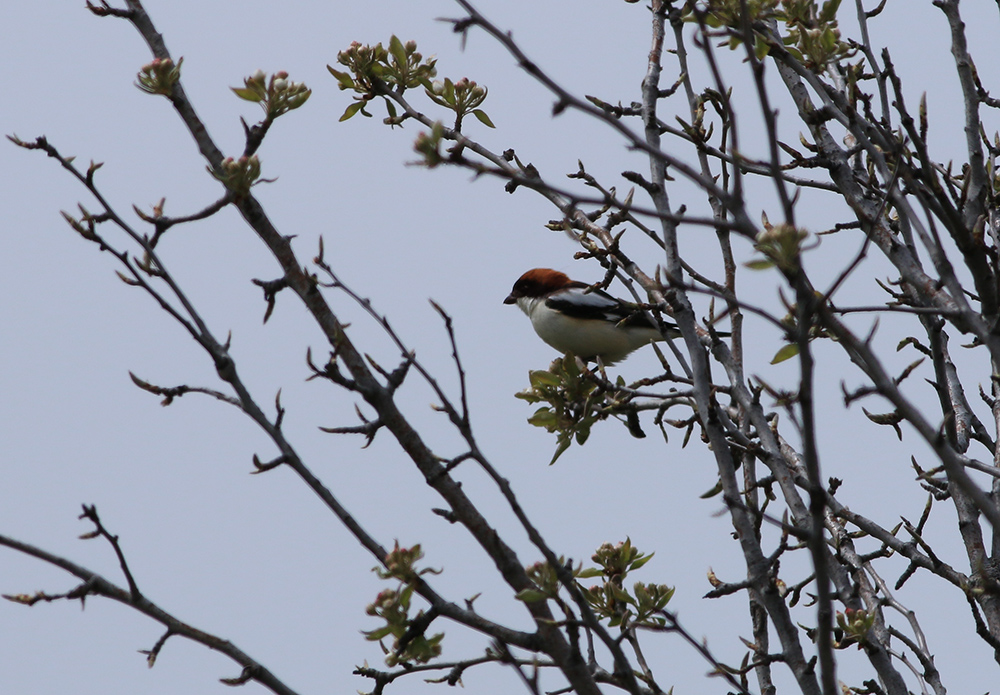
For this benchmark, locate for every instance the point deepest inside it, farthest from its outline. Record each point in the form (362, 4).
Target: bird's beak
(511, 299)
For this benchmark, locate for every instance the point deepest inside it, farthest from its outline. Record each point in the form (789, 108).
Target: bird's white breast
(586, 338)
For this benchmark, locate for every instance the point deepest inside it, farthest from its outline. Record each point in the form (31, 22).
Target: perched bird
(589, 324)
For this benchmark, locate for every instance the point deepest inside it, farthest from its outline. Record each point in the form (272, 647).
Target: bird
(575, 318)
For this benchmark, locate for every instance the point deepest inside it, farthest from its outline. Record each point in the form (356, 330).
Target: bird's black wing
(596, 306)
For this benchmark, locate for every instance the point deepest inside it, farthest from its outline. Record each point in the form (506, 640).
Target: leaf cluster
(609, 599)
(853, 626)
(238, 175)
(159, 76)
(812, 37)
(393, 606)
(612, 601)
(462, 97)
(277, 95)
(374, 70)
(410, 643)
(781, 246)
(574, 404)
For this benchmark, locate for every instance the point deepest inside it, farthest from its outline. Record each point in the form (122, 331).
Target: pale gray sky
(256, 559)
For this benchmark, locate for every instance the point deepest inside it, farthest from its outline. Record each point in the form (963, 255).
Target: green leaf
(352, 109)
(528, 395)
(664, 598)
(589, 573)
(641, 561)
(787, 352)
(543, 378)
(530, 595)
(406, 595)
(796, 53)
(376, 635)
(543, 417)
(247, 94)
(562, 446)
(483, 118)
(397, 50)
(829, 11)
(761, 48)
(345, 80)
(569, 364)
(761, 264)
(620, 594)
(716, 489)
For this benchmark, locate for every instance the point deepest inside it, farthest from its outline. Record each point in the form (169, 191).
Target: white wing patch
(595, 305)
